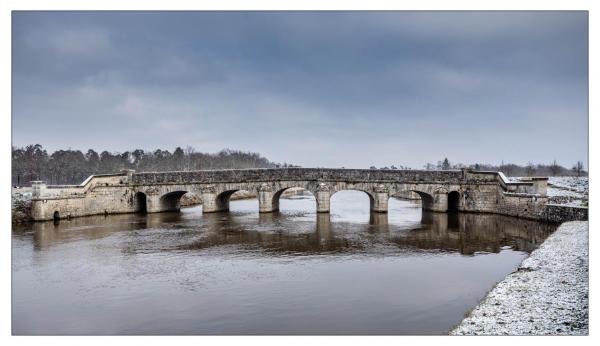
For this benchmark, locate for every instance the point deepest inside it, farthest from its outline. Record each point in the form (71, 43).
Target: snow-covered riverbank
(547, 295)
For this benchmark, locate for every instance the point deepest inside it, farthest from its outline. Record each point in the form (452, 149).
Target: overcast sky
(332, 89)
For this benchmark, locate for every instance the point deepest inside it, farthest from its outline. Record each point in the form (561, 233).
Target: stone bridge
(440, 191)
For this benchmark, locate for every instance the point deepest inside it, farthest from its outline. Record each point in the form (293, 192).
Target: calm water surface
(293, 272)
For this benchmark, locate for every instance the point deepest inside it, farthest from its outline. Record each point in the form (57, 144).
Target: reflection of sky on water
(243, 272)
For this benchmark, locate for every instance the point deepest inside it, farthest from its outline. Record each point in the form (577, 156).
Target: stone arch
(140, 203)
(223, 198)
(190, 199)
(369, 194)
(427, 200)
(277, 195)
(170, 201)
(453, 201)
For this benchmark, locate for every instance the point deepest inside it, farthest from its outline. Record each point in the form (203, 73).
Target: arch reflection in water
(471, 233)
(295, 233)
(270, 235)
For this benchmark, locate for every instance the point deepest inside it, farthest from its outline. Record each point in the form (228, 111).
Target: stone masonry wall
(271, 174)
(488, 192)
(520, 205)
(561, 213)
(102, 194)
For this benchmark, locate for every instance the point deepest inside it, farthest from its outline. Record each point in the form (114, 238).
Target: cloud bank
(333, 89)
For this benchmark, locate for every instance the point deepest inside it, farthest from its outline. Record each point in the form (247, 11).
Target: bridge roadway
(130, 191)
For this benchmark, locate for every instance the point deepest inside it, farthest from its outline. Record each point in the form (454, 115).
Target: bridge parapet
(292, 174)
(40, 190)
(528, 185)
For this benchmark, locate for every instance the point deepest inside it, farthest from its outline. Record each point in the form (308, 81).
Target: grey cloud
(328, 88)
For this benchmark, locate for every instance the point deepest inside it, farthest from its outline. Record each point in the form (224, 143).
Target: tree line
(33, 162)
(510, 169)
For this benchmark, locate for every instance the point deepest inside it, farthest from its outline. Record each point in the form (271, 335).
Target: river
(291, 272)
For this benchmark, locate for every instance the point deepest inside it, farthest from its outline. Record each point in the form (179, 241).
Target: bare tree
(530, 169)
(578, 168)
(506, 169)
(554, 168)
(189, 152)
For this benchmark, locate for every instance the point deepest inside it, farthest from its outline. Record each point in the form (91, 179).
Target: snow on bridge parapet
(529, 185)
